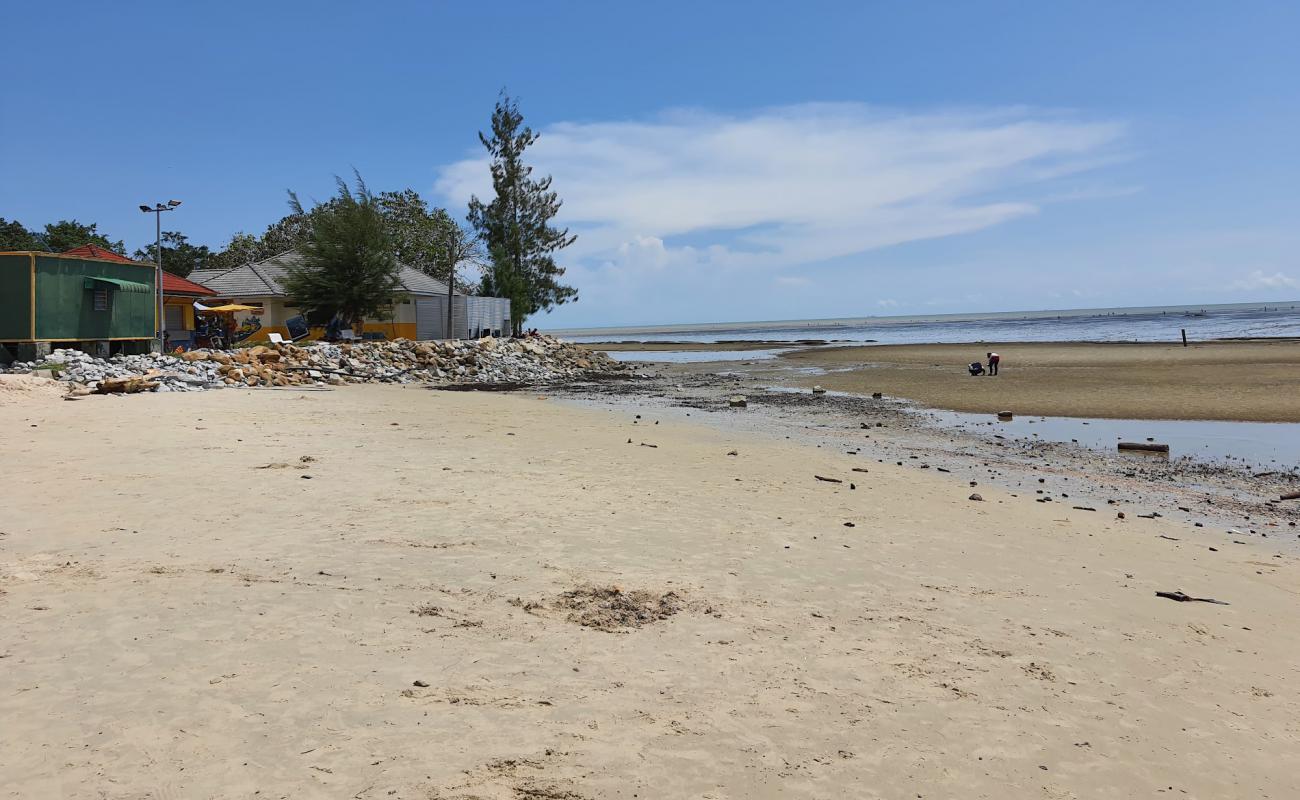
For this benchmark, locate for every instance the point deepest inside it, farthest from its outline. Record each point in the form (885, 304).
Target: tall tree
(516, 225)
(421, 235)
(348, 266)
(67, 234)
(179, 256)
(15, 236)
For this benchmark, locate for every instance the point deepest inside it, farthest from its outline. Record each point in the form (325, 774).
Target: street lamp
(160, 329)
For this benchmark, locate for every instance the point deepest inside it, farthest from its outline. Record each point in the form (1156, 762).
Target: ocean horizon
(1134, 323)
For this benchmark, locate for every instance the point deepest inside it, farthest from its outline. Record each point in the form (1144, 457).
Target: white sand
(23, 389)
(182, 624)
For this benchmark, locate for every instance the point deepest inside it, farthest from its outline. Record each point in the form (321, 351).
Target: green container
(49, 298)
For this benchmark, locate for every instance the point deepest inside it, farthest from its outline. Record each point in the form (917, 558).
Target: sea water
(1147, 324)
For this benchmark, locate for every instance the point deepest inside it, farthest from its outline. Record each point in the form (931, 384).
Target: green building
(49, 300)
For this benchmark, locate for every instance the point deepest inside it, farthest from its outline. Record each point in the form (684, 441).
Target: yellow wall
(187, 314)
(275, 313)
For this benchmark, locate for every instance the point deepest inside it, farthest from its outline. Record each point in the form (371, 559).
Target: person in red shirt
(994, 360)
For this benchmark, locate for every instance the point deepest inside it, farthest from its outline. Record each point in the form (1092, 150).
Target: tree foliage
(516, 225)
(418, 233)
(179, 257)
(288, 233)
(348, 263)
(55, 237)
(68, 233)
(15, 236)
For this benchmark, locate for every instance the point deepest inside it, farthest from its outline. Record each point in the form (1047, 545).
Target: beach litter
(1186, 598)
(1144, 446)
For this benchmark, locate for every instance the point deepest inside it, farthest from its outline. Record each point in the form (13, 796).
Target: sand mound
(609, 608)
(15, 389)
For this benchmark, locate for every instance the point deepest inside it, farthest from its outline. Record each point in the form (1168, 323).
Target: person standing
(994, 360)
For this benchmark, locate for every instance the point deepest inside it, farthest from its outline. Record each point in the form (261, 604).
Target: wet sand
(1255, 381)
(257, 628)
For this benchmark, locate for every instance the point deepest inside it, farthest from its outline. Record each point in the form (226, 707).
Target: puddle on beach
(1267, 445)
(693, 356)
(1272, 446)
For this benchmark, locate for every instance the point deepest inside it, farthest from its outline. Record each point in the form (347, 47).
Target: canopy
(230, 307)
(121, 285)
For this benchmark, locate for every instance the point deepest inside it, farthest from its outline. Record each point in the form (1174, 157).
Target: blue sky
(719, 161)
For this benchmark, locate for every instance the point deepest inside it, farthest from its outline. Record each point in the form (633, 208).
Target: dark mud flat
(1219, 502)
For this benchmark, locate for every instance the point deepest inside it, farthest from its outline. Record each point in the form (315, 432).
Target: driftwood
(828, 480)
(1186, 598)
(129, 385)
(1149, 447)
(1290, 496)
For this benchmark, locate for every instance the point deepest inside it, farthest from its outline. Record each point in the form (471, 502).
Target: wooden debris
(1149, 447)
(1186, 598)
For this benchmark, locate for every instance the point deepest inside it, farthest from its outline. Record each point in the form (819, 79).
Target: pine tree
(515, 227)
(348, 267)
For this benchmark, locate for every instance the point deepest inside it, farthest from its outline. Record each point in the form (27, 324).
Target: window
(100, 300)
(175, 317)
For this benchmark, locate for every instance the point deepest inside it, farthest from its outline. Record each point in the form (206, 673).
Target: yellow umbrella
(233, 307)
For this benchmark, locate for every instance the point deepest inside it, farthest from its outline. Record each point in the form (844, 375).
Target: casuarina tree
(348, 266)
(515, 226)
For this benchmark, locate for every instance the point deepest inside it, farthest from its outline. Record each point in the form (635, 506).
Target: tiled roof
(175, 284)
(266, 278)
(236, 282)
(95, 251)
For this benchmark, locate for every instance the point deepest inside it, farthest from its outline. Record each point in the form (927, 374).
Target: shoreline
(1211, 498)
(1227, 380)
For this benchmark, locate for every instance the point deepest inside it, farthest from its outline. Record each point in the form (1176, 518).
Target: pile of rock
(538, 359)
(170, 373)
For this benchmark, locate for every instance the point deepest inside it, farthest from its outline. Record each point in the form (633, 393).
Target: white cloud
(1259, 280)
(700, 193)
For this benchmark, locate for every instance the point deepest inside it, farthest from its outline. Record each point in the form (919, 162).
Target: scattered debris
(738, 401)
(828, 480)
(1144, 446)
(977, 497)
(1186, 598)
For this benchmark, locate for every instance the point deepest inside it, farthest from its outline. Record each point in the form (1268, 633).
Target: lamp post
(161, 328)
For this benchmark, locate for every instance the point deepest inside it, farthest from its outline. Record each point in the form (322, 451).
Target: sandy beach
(1254, 381)
(394, 592)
